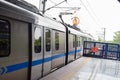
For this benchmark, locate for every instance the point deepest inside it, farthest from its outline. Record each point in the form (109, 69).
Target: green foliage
(109, 41)
(99, 39)
(116, 38)
(37, 42)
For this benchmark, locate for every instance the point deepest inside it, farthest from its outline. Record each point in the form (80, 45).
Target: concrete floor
(87, 69)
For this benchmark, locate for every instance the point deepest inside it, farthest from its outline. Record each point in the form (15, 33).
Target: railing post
(106, 50)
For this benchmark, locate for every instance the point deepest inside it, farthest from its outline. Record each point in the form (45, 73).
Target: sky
(94, 15)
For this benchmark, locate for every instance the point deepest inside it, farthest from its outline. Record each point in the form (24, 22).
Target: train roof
(77, 31)
(24, 5)
(14, 11)
(74, 31)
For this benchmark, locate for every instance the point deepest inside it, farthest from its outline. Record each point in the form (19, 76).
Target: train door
(72, 44)
(79, 47)
(37, 52)
(47, 51)
(14, 49)
(58, 54)
(82, 43)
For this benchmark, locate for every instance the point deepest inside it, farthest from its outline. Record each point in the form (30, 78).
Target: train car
(31, 44)
(76, 41)
(74, 45)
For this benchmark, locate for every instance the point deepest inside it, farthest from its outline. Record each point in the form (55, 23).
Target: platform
(87, 68)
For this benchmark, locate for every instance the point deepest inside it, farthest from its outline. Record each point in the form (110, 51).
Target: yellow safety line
(71, 74)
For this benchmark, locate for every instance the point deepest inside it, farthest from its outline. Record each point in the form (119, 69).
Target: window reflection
(79, 41)
(57, 40)
(74, 41)
(48, 40)
(4, 38)
(37, 40)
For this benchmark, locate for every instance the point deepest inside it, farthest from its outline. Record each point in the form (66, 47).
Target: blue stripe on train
(58, 56)
(37, 62)
(23, 65)
(16, 67)
(73, 52)
(78, 50)
(34, 63)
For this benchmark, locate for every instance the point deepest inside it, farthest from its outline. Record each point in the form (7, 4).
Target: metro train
(33, 45)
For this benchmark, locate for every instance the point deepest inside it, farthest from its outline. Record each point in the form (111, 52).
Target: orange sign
(76, 21)
(94, 49)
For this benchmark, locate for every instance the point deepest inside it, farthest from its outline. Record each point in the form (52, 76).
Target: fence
(101, 50)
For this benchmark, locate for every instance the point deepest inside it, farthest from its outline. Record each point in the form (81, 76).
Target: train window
(82, 40)
(48, 40)
(85, 39)
(79, 41)
(37, 40)
(56, 40)
(74, 41)
(4, 38)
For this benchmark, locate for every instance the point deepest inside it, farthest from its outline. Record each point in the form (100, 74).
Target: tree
(116, 38)
(109, 41)
(100, 39)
